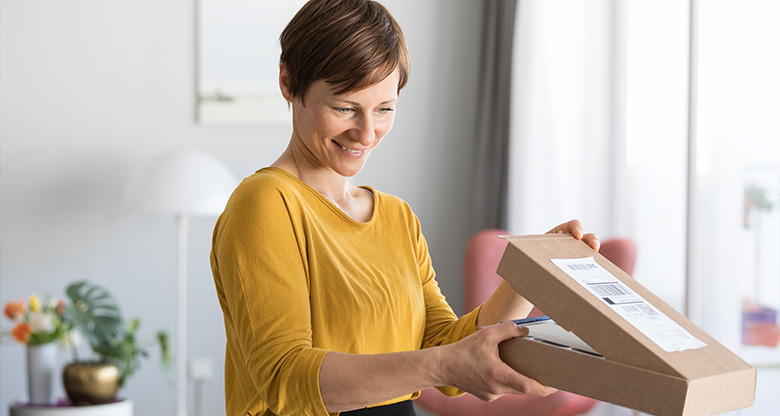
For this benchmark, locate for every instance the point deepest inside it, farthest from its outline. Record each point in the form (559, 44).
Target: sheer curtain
(599, 127)
(599, 131)
(561, 162)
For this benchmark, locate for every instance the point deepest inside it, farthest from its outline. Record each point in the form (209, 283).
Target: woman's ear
(284, 82)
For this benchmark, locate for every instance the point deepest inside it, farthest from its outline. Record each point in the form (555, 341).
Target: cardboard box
(635, 372)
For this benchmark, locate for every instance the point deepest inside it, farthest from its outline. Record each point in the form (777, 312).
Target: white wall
(90, 89)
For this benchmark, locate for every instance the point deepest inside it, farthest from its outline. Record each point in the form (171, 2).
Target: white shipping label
(661, 329)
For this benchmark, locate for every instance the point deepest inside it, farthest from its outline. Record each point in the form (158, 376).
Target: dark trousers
(404, 408)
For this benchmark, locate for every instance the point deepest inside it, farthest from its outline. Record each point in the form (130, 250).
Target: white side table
(123, 408)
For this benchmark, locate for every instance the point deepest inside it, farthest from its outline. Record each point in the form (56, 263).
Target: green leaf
(40, 338)
(95, 313)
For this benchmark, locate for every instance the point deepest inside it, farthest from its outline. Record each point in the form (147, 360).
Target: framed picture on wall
(237, 61)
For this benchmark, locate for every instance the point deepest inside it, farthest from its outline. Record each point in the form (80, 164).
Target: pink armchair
(482, 255)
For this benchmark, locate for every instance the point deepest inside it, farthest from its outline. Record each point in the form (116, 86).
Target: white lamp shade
(182, 181)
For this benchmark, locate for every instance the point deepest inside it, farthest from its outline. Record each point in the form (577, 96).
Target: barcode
(609, 289)
(641, 307)
(587, 266)
(631, 308)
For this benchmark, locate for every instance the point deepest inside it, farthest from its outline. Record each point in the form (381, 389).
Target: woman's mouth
(354, 152)
(350, 152)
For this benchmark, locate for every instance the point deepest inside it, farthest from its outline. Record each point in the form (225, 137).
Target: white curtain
(599, 132)
(560, 157)
(599, 127)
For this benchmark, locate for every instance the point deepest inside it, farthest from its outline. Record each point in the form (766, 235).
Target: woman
(328, 294)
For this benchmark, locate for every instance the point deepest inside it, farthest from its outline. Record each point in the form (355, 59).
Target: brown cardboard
(635, 372)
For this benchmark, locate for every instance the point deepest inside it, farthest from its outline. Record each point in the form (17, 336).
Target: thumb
(509, 330)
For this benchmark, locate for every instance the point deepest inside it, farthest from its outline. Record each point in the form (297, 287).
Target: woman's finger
(592, 240)
(573, 227)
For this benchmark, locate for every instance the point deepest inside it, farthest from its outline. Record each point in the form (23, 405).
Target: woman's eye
(385, 110)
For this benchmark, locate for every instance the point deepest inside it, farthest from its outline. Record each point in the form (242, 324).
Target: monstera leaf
(94, 312)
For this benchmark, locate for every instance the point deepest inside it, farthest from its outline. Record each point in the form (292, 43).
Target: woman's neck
(323, 180)
(353, 201)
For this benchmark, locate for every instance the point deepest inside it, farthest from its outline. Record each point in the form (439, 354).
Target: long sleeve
(262, 282)
(442, 325)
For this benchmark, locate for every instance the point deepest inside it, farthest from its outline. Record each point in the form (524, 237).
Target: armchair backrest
(483, 253)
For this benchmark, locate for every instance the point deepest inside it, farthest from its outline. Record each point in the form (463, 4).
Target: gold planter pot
(90, 382)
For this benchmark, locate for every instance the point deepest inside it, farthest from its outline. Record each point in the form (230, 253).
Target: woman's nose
(363, 131)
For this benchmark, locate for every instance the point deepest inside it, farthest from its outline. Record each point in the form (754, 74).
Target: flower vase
(42, 374)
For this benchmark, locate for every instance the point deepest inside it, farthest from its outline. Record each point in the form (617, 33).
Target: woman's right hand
(473, 365)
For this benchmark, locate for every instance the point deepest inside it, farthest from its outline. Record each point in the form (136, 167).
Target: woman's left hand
(574, 228)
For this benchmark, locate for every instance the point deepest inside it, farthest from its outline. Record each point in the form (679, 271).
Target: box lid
(528, 268)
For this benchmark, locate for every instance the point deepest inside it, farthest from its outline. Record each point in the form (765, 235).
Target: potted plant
(94, 313)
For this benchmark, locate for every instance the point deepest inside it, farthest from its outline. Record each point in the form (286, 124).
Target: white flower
(41, 322)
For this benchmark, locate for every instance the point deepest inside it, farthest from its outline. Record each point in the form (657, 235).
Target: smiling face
(335, 133)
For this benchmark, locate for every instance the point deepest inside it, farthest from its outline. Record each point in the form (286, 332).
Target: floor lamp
(183, 183)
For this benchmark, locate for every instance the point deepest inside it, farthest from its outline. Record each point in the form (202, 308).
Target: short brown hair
(351, 44)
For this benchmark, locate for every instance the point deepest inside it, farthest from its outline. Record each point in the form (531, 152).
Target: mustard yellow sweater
(296, 278)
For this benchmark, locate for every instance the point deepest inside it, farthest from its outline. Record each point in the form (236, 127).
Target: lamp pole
(693, 304)
(182, 183)
(182, 224)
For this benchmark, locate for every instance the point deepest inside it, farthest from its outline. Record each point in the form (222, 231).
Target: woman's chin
(351, 168)
(348, 173)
